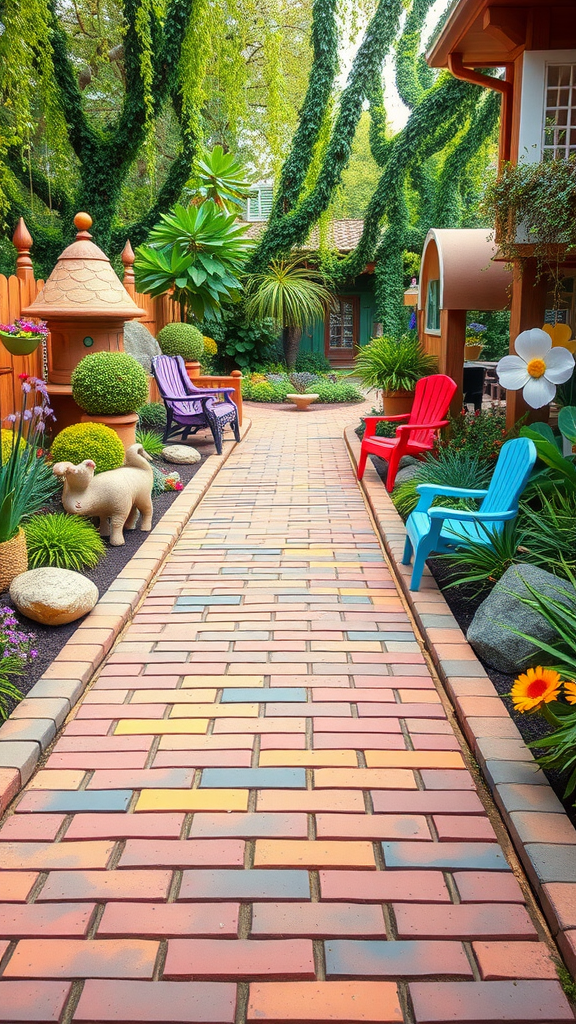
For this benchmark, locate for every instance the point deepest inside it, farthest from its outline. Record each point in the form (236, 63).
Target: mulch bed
(51, 639)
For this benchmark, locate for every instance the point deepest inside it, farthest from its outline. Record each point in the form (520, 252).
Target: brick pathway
(260, 811)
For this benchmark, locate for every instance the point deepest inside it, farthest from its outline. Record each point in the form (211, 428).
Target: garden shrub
(89, 441)
(210, 347)
(16, 651)
(311, 362)
(6, 442)
(383, 429)
(480, 433)
(241, 342)
(330, 392)
(181, 340)
(63, 541)
(152, 416)
(109, 384)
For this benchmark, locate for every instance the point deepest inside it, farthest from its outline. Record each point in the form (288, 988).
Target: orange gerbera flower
(570, 692)
(534, 688)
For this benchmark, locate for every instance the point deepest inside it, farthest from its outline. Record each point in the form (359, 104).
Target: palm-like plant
(195, 252)
(222, 178)
(293, 295)
(394, 364)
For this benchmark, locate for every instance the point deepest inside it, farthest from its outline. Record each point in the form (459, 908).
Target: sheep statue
(117, 495)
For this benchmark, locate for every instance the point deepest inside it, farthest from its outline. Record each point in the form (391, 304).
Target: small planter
(20, 346)
(396, 403)
(13, 559)
(193, 369)
(125, 426)
(302, 402)
(472, 351)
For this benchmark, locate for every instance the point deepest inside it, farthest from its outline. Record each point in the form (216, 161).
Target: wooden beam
(508, 25)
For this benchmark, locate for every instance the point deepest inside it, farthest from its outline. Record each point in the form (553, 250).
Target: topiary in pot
(109, 384)
(182, 340)
(89, 441)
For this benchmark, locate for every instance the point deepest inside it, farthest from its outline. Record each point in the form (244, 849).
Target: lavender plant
(16, 651)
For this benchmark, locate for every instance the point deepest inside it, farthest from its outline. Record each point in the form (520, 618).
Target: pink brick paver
(260, 811)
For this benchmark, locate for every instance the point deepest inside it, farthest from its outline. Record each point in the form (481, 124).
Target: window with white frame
(559, 129)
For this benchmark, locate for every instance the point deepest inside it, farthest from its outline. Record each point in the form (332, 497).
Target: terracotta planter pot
(13, 559)
(193, 369)
(472, 352)
(396, 403)
(125, 426)
(20, 346)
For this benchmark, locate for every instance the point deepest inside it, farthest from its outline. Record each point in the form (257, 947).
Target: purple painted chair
(193, 408)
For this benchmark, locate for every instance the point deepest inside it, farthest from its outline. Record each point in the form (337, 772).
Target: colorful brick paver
(260, 811)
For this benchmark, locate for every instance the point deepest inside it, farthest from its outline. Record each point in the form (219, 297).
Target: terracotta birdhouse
(84, 304)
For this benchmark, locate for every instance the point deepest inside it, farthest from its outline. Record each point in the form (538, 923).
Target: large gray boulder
(496, 645)
(141, 344)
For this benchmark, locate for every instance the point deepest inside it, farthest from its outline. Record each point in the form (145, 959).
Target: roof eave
(459, 19)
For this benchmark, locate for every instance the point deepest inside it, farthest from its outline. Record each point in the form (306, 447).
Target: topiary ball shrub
(109, 384)
(152, 416)
(89, 441)
(311, 362)
(182, 340)
(63, 541)
(7, 440)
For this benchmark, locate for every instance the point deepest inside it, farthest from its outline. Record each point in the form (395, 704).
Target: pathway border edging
(539, 827)
(33, 724)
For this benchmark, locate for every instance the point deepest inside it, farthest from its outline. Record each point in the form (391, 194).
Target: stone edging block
(546, 849)
(33, 724)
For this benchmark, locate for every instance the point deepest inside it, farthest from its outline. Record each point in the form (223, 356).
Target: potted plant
(110, 387)
(394, 366)
(474, 344)
(26, 480)
(183, 340)
(23, 337)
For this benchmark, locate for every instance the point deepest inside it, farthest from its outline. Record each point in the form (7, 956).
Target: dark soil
(49, 640)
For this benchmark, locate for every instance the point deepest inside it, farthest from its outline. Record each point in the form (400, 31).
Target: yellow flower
(534, 688)
(570, 692)
(210, 346)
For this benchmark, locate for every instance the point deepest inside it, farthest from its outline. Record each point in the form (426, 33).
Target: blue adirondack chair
(439, 529)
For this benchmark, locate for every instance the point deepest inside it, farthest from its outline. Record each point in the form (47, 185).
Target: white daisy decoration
(537, 369)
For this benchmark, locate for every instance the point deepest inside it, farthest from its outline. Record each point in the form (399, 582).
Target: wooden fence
(17, 291)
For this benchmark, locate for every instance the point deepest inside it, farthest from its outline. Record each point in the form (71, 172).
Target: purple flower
(12, 417)
(27, 414)
(26, 387)
(412, 321)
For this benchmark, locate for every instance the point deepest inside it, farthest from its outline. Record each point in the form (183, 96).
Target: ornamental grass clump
(109, 384)
(391, 364)
(26, 480)
(151, 442)
(63, 541)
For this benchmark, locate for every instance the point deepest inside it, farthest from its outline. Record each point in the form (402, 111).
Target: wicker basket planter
(13, 559)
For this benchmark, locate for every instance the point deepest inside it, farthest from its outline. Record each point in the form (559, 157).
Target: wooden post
(237, 385)
(527, 310)
(22, 240)
(129, 280)
(453, 328)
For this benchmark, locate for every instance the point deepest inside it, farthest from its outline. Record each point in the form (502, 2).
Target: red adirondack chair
(416, 437)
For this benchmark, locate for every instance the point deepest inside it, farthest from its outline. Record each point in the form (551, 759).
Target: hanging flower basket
(22, 337)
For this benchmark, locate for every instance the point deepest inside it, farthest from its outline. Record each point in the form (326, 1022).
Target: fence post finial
(22, 240)
(128, 258)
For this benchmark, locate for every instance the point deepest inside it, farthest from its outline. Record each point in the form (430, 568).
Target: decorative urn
(84, 303)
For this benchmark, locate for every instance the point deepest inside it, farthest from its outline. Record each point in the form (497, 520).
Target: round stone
(52, 596)
(181, 454)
